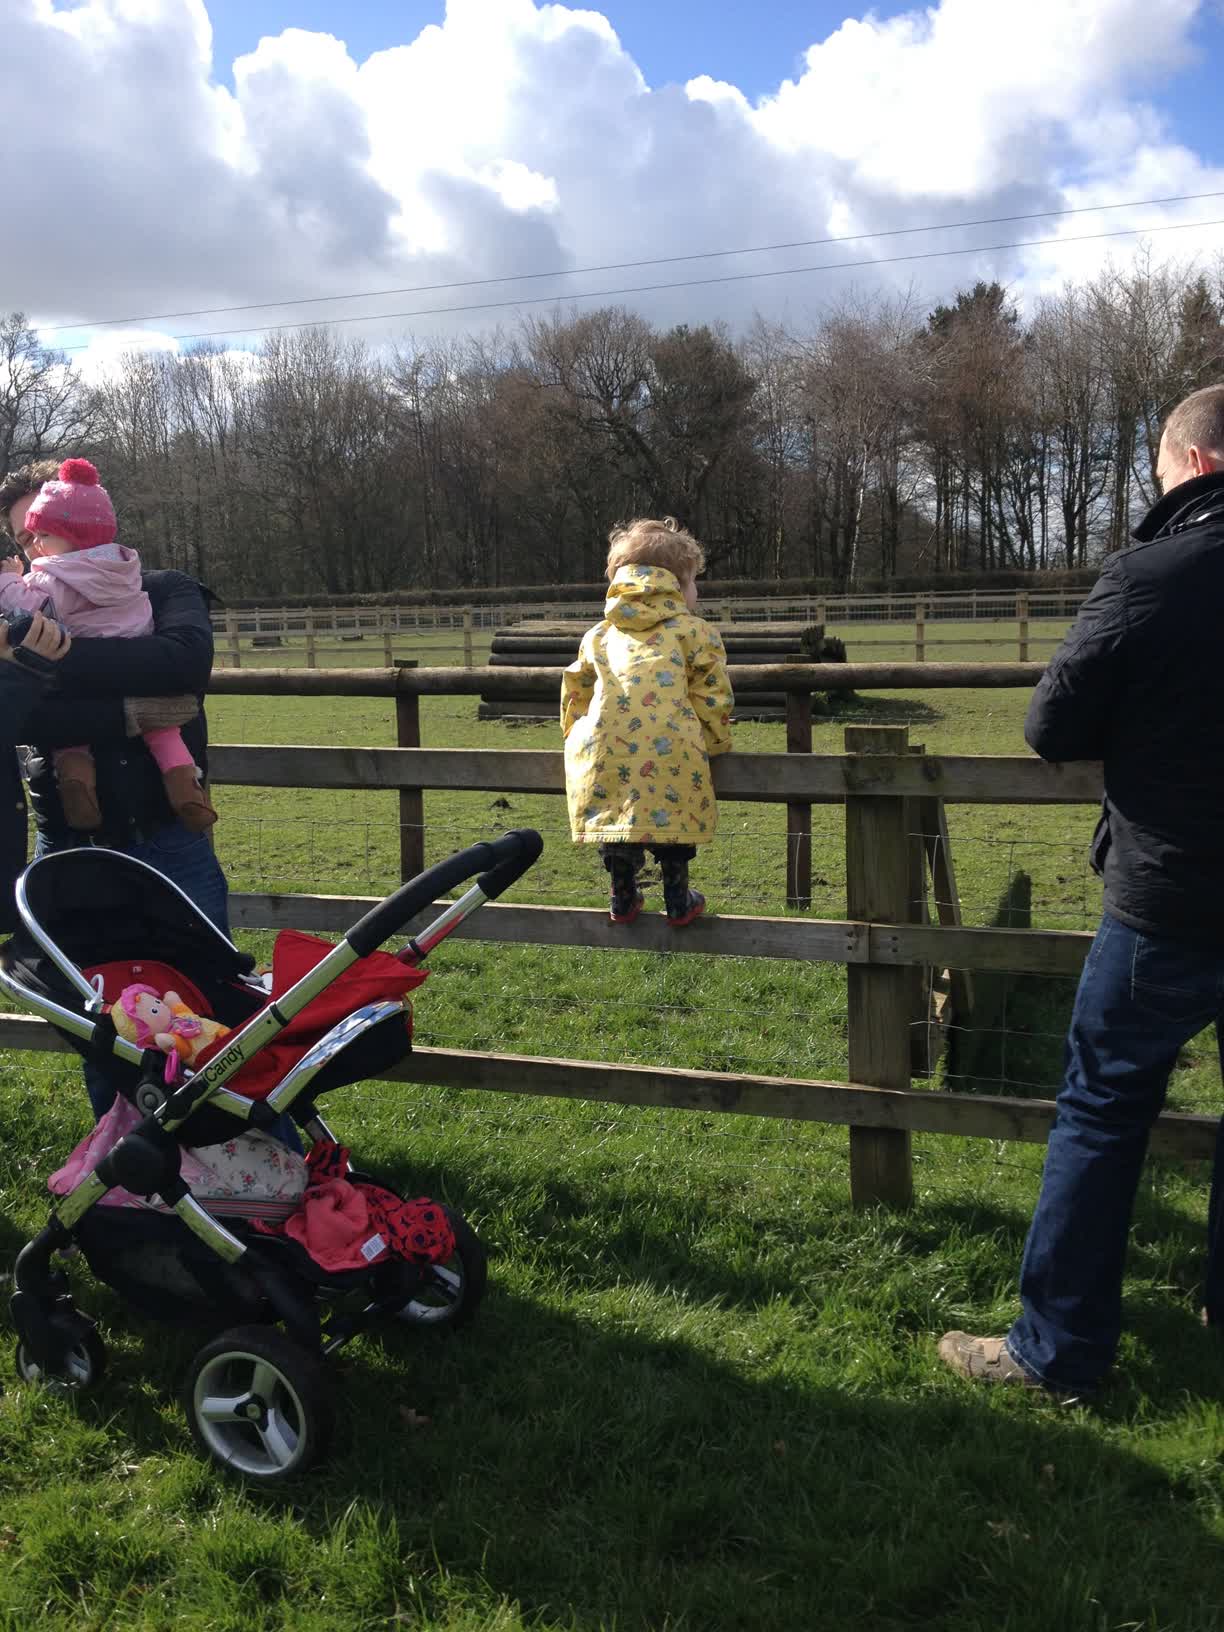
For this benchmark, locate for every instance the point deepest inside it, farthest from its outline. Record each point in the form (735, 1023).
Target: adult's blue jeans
(1140, 999)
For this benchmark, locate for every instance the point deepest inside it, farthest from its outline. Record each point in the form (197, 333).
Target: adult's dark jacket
(19, 695)
(84, 704)
(1139, 685)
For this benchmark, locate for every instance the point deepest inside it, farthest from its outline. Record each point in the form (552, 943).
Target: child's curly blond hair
(647, 542)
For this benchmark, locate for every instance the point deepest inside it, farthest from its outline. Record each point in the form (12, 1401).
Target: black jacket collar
(1188, 504)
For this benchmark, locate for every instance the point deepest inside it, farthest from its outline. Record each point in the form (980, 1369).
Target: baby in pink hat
(91, 585)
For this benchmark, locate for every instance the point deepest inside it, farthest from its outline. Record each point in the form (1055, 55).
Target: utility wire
(623, 266)
(682, 283)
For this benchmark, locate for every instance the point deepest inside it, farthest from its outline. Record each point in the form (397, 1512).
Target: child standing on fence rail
(644, 709)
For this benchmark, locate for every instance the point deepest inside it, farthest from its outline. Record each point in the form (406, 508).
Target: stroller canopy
(98, 906)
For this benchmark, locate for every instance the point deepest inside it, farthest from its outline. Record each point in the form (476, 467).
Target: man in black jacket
(1139, 685)
(106, 692)
(21, 689)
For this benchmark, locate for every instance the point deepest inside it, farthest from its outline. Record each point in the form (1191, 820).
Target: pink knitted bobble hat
(76, 508)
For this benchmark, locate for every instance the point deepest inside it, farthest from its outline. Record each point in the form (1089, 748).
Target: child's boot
(681, 904)
(187, 798)
(77, 778)
(623, 862)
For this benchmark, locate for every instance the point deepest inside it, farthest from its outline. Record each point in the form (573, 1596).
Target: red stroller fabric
(347, 1224)
(377, 978)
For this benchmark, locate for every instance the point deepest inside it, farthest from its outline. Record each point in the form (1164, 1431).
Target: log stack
(551, 645)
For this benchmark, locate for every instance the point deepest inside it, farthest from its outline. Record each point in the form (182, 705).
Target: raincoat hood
(103, 576)
(641, 597)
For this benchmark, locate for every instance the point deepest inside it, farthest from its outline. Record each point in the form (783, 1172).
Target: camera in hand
(18, 624)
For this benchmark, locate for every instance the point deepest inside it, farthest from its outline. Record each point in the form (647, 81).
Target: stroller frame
(147, 1160)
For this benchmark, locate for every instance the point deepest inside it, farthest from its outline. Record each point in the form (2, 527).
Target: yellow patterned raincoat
(643, 710)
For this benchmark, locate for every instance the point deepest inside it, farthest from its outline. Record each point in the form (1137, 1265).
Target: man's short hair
(24, 480)
(1198, 422)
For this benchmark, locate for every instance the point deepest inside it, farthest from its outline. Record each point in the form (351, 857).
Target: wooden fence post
(231, 632)
(798, 816)
(311, 658)
(879, 996)
(388, 654)
(468, 658)
(1022, 618)
(411, 800)
(919, 629)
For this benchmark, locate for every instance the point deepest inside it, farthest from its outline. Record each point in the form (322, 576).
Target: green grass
(703, 1392)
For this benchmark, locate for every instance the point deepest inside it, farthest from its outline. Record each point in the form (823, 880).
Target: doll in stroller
(280, 1286)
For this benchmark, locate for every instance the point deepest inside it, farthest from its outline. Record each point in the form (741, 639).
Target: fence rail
(331, 628)
(959, 606)
(883, 942)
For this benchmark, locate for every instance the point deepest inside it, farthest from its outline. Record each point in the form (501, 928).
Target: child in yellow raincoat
(644, 709)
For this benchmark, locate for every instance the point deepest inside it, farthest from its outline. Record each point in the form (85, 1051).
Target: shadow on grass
(607, 1449)
(595, 1475)
(868, 709)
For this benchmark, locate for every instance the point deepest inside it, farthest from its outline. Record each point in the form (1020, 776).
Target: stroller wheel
(450, 1293)
(83, 1366)
(258, 1403)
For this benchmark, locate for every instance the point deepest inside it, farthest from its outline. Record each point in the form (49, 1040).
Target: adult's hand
(45, 639)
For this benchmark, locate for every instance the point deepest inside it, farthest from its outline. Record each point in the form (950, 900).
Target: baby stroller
(256, 1396)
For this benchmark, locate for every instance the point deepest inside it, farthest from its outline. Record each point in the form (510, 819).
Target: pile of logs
(532, 645)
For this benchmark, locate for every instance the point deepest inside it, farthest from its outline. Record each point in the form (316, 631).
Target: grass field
(703, 1392)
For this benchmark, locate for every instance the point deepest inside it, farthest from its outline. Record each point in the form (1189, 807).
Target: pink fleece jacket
(92, 592)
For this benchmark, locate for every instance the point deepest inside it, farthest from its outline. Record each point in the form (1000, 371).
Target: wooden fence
(879, 942)
(323, 630)
(407, 684)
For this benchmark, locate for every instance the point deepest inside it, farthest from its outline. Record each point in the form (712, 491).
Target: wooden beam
(411, 800)
(1020, 951)
(756, 778)
(805, 940)
(530, 682)
(796, 939)
(879, 999)
(976, 1116)
(799, 812)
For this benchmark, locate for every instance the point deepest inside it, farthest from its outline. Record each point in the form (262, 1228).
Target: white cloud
(105, 352)
(520, 137)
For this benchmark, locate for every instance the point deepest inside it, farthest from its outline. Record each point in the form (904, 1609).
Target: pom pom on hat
(76, 507)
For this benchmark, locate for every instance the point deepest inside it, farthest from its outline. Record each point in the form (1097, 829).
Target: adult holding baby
(108, 692)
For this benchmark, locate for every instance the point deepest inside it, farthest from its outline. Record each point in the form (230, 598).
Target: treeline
(882, 444)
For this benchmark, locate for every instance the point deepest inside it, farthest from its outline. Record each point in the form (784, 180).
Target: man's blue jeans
(1140, 999)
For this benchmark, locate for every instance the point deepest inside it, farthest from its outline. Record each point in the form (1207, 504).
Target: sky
(210, 154)
(670, 40)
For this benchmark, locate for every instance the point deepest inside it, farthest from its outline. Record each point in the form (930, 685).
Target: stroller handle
(499, 865)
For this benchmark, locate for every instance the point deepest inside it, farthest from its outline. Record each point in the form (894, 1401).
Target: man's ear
(1204, 461)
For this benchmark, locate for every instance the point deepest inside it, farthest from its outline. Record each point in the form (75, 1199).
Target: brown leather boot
(187, 798)
(76, 776)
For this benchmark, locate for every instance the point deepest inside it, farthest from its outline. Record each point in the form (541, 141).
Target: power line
(684, 283)
(625, 266)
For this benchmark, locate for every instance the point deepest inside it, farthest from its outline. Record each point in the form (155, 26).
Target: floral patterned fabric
(644, 708)
(249, 1176)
